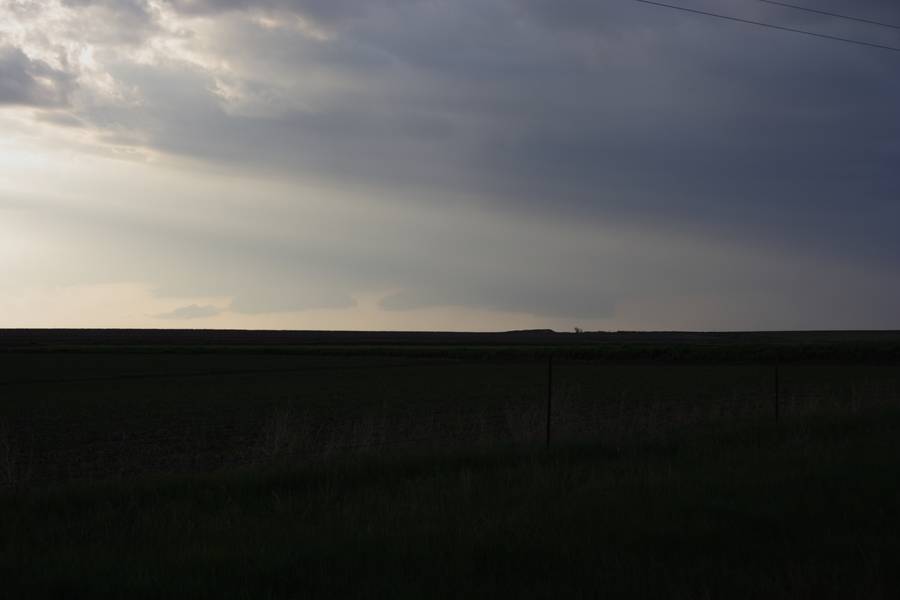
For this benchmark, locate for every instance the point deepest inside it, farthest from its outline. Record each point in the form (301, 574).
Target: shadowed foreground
(810, 509)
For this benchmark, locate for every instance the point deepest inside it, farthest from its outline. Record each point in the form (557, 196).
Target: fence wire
(147, 419)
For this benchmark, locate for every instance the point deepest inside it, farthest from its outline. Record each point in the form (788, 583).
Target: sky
(447, 165)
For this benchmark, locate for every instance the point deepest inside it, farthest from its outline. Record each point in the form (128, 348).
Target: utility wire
(829, 14)
(769, 25)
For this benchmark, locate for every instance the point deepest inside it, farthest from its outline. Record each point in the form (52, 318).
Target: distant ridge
(48, 338)
(531, 331)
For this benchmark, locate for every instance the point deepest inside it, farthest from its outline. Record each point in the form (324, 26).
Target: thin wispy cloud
(192, 311)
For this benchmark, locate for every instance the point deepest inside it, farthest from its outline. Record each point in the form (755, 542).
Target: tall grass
(15, 464)
(809, 513)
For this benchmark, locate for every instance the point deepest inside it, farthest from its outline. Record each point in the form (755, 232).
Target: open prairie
(361, 469)
(105, 411)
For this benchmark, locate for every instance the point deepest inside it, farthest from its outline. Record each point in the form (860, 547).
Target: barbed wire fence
(574, 404)
(453, 404)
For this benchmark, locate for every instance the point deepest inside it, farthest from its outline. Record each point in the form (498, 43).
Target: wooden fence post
(777, 395)
(549, 396)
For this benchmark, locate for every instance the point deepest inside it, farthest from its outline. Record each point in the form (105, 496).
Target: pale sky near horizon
(446, 165)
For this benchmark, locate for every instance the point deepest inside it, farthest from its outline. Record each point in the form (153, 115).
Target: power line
(830, 14)
(771, 26)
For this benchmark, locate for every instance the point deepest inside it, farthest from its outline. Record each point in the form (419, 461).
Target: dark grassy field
(705, 347)
(94, 416)
(805, 510)
(192, 465)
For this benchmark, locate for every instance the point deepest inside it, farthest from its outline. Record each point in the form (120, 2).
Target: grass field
(241, 473)
(94, 416)
(808, 509)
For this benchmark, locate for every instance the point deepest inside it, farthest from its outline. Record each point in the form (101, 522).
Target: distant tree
(579, 330)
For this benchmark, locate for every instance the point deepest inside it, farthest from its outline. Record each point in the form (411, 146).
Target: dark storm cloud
(607, 113)
(583, 110)
(587, 108)
(28, 82)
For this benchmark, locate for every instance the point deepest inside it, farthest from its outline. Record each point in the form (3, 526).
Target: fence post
(777, 394)
(549, 396)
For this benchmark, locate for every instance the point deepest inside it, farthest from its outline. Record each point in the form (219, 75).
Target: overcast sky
(458, 164)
